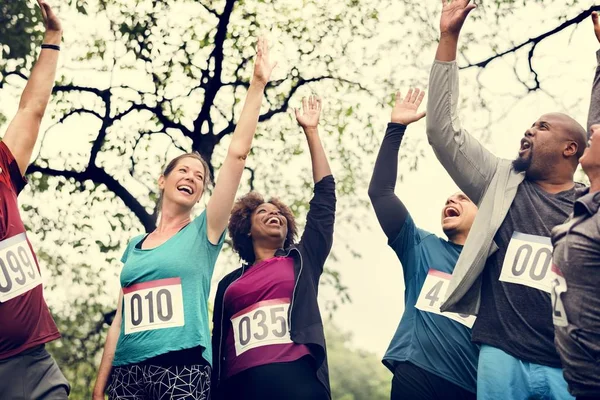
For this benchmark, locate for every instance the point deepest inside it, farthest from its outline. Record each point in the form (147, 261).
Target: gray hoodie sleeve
(594, 113)
(470, 165)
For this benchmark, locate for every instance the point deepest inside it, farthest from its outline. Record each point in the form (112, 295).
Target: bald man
(503, 274)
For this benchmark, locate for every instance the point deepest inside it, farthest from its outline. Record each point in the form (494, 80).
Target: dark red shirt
(25, 320)
(257, 307)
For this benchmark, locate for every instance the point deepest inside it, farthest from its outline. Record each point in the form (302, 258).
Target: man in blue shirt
(431, 354)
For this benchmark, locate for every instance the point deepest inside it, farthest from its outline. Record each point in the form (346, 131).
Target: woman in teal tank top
(158, 345)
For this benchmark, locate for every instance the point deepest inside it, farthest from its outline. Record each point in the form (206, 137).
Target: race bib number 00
(559, 286)
(18, 269)
(262, 324)
(527, 261)
(433, 294)
(153, 305)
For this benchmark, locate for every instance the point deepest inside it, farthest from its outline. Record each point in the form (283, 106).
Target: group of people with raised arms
(488, 315)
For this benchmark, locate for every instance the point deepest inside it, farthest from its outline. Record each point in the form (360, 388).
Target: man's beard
(522, 164)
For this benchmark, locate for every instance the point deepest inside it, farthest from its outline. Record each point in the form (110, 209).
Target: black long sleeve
(390, 211)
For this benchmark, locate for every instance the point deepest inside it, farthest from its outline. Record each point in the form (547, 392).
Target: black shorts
(160, 381)
(296, 380)
(414, 383)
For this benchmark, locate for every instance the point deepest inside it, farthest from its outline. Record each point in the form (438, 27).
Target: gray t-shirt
(577, 309)
(513, 317)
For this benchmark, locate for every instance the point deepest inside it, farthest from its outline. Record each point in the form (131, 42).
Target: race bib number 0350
(433, 294)
(153, 305)
(262, 324)
(527, 261)
(559, 286)
(18, 270)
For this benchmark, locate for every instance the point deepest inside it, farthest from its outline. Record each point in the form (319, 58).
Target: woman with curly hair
(158, 345)
(268, 340)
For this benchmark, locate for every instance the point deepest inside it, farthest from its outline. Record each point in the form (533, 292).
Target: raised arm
(220, 203)
(317, 238)
(23, 130)
(308, 119)
(594, 113)
(470, 165)
(391, 212)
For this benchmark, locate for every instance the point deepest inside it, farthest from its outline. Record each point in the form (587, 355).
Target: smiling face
(551, 140)
(458, 214)
(183, 185)
(268, 222)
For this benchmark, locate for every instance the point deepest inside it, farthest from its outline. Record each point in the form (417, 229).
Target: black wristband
(51, 46)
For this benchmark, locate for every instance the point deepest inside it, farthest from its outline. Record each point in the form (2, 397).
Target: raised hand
(596, 25)
(454, 14)
(51, 21)
(311, 111)
(262, 64)
(405, 111)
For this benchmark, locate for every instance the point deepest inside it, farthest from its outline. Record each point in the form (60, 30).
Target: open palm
(311, 112)
(454, 14)
(51, 21)
(262, 64)
(406, 111)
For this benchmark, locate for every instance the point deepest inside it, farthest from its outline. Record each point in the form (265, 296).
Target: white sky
(566, 65)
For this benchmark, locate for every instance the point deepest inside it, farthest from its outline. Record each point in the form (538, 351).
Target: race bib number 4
(262, 324)
(559, 286)
(433, 294)
(527, 261)
(153, 305)
(18, 270)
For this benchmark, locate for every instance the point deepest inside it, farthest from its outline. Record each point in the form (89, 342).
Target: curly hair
(240, 223)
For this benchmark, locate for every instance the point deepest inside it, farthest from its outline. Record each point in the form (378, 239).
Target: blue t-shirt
(433, 342)
(166, 289)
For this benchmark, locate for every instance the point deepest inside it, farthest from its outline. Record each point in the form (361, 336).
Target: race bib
(18, 269)
(153, 305)
(433, 294)
(262, 324)
(559, 286)
(527, 261)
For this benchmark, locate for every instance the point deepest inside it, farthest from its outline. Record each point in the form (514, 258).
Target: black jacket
(306, 326)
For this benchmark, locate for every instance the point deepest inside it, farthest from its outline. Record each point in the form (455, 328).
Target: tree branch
(99, 176)
(535, 41)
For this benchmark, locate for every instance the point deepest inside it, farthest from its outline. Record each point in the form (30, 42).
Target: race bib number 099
(433, 294)
(153, 305)
(559, 286)
(262, 324)
(527, 261)
(18, 269)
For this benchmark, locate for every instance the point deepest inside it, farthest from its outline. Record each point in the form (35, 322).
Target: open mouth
(525, 145)
(451, 212)
(186, 189)
(273, 221)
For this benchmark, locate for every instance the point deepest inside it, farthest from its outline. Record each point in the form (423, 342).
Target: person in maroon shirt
(268, 339)
(27, 371)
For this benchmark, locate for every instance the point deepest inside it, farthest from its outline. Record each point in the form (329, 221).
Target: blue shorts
(502, 376)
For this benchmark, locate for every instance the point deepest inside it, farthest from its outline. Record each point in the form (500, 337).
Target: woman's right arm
(109, 353)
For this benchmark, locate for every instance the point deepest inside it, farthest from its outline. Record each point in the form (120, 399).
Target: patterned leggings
(152, 382)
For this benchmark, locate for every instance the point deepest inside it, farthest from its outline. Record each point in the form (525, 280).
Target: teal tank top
(165, 295)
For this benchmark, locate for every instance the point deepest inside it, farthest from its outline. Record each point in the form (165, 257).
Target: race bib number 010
(433, 294)
(18, 269)
(527, 261)
(262, 324)
(559, 286)
(153, 305)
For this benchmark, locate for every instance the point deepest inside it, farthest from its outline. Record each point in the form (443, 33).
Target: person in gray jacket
(503, 273)
(575, 300)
